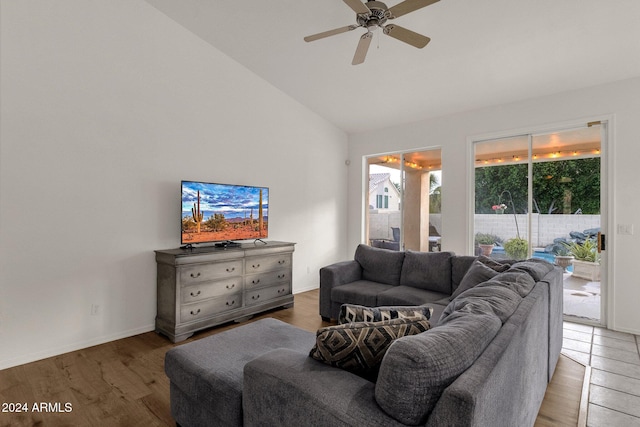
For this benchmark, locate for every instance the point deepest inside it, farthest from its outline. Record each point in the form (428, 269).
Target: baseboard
(584, 398)
(305, 289)
(33, 357)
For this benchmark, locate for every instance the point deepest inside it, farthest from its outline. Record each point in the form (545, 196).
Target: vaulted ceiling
(481, 53)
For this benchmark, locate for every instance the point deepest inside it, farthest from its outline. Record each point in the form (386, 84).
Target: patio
(581, 298)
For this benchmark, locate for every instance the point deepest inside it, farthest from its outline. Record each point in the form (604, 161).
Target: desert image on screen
(220, 212)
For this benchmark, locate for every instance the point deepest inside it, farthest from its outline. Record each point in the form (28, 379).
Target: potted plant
(486, 242)
(563, 257)
(499, 209)
(586, 263)
(516, 248)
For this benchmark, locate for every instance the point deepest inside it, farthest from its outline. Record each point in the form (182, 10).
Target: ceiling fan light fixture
(374, 14)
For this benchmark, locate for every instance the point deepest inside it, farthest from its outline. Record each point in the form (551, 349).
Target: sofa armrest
(285, 387)
(335, 275)
(554, 279)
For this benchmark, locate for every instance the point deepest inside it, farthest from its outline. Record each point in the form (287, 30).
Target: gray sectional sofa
(495, 338)
(382, 277)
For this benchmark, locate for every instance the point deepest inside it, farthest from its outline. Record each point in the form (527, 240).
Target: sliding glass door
(539, 195)
(502, 181)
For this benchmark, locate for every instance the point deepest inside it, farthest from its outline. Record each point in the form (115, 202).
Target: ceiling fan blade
(357, 6)
(362, 49)
(407, 36)
(409, 6)
(330, 33)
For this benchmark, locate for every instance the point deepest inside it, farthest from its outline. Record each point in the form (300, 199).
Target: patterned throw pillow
(359, 347)
(350, 313)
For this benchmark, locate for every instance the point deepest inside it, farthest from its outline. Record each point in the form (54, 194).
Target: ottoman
(206, 375)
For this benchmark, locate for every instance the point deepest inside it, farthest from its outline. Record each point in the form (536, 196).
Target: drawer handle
(196, 294)
(255, 282)
(195, 276)
(231, 303)
(193, 313)
(233, 285)
(255, 297)
(281, 290)
(256, 266)
(282, 261)
(231, 270)
(281, 276)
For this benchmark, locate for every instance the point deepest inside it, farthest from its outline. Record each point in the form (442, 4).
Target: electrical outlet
(95, 309)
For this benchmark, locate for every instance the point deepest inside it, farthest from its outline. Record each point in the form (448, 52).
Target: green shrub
(487, 239)
(587, 251)
(516, 248)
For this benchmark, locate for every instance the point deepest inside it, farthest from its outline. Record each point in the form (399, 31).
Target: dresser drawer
(267, 263)
(267, 279)
(203, 291)
(204, 272)
(207, 308)
(259, 296)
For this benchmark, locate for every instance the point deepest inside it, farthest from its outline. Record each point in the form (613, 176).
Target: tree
(563, 186)
(435, 194)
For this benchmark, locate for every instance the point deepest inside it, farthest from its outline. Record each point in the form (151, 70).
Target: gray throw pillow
(499, 300)
(517, 280)
(380, 265)
(477, 273)
(537, 268)
(499, 266)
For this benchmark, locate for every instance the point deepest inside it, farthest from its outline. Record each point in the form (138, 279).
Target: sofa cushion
(427, 270)
(499, 300)
(460, 264)
(537, 268)
(361, 292)
(477, 273)
(417, 369)
(407, 295)
(380, 265)
(350, 313)
(497, 265)
(438, 309)
(520, 282)
(359, 347)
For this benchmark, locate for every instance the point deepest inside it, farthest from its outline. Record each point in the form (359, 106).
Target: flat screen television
(223, 213)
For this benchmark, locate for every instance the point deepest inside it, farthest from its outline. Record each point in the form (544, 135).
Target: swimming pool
(537, 254)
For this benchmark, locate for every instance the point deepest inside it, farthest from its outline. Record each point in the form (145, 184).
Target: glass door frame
(402, 168)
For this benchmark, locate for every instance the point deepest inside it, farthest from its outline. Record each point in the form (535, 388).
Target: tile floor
(614, 357)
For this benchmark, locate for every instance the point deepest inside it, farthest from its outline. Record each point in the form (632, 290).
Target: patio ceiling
(575, 143)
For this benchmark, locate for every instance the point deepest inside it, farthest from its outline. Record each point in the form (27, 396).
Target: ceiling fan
(374, 14)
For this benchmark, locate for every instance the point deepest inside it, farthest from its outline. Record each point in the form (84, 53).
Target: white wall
(106, 106)
(619, 99)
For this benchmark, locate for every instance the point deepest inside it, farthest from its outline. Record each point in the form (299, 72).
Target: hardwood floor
(122, 383)
(561, 404)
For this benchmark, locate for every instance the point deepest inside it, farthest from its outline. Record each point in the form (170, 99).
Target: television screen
(223, 212)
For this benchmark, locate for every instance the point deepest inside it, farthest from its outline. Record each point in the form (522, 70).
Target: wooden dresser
(203, 287)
